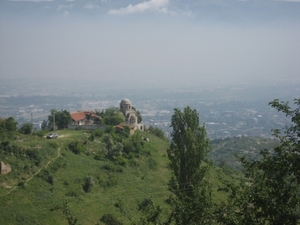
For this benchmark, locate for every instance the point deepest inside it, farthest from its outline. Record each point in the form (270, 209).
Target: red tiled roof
(76, 116)
(81, 115)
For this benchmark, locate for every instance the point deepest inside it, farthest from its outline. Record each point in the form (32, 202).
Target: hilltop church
(130, 115)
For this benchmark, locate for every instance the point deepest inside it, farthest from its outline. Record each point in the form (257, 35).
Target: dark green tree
(112, 150)
(61, 118)
(111, 116)
(44, 125)
(188, 148)
(26, 128)
(8, 125)
(272, 193)
(191, 203)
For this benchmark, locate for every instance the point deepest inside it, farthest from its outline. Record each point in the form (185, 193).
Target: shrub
(72, 194)
(33, 154)
(21, 184)
(46, 176)
(89, 184)
(109, 219)
(112, 168)
(99, 156)
(122, 161)
(40, 133)
(76, 147)
(98, 133)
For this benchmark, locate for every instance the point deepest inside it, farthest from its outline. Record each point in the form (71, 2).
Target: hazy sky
(152, 42)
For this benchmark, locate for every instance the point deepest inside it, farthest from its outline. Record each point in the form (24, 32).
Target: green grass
(32, 189)
(29, 202)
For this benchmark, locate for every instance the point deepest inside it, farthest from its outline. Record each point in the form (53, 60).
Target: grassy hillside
(47, 173)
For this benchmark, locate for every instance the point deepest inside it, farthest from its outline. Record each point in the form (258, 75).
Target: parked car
(52, 136)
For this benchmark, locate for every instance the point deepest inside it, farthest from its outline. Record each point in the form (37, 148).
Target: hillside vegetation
(48, 172)
(104, 177)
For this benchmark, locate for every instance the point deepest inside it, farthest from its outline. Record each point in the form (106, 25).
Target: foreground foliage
(271, 195)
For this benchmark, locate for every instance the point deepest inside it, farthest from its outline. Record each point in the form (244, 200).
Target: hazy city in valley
(226, 110)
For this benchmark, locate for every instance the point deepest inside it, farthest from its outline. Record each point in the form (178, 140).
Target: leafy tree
(62, 119)
(112, 116)
(44, 125)
(192, 201)
(134, 144)
(26, 128)
(139, 116)
(272, 195)
(111, 149)
(151, 212)
(8, 125)
(188, 147)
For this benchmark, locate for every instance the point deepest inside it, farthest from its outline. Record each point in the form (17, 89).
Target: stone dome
(125, 101)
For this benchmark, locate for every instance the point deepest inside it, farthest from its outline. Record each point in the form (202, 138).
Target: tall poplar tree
(189, 146)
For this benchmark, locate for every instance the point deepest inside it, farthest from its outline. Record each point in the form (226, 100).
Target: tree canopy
(111, 116)
(272, 194)
(62, 119)
(189, 146)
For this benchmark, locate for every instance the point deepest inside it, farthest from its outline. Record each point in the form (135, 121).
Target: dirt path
(48, 163)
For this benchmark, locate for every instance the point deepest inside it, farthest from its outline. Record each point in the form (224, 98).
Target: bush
(46, 176)
(33, 154)
(99, 156)
(109, 219)
(109, 129)
(112, 168)
(76, 147)
(122, 161)
(40, 133)
(135, 144)
(89, 184)
(98, 133)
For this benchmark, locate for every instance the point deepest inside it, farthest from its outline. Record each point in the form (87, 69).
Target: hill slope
(47, 174)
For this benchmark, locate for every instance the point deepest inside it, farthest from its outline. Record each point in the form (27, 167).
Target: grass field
(33, 188)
